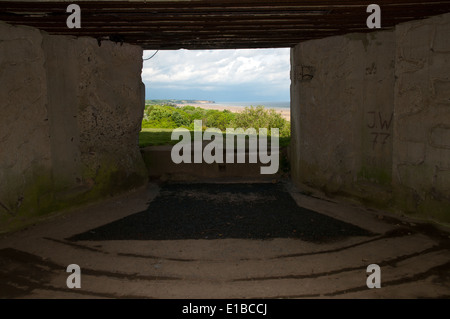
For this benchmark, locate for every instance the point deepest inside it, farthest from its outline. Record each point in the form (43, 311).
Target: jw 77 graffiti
(380, 127)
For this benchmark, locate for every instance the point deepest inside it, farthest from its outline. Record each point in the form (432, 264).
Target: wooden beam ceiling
(221, 24)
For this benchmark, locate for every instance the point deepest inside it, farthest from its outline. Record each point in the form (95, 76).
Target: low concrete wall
(70, 118)
(371, 118)
(160, 165)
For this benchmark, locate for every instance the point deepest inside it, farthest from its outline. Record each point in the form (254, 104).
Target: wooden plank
(215, 24)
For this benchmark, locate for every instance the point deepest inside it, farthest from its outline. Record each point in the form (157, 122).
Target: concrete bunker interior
(370, 108)
(370, 89)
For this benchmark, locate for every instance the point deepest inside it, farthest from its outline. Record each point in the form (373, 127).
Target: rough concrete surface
(158, 160)
(342, 85)
(25, 156)
(414, 258)
(370, 117)
(421, 158)
(69, 121)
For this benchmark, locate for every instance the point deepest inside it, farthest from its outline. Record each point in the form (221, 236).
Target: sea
(270, 105)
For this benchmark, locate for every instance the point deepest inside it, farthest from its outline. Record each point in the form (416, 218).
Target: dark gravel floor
(214, 211)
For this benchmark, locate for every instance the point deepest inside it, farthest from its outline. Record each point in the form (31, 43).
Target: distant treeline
(175, 102)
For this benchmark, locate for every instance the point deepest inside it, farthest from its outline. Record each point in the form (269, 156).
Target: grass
(162, 136)
(155, 136)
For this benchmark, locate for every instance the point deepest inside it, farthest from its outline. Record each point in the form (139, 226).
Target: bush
(158, 116)
(180, 119)
(259, 117)
(194, 113)
(218, 119)
(157, 112)
(188, 108)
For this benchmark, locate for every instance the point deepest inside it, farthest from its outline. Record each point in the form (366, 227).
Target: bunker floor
(225, 240)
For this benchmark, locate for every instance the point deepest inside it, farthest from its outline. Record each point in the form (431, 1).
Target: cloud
(263, 73)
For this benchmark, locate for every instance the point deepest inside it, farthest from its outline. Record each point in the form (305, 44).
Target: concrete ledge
(160, 166)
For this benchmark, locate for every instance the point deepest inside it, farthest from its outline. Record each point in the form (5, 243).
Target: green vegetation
(160, 120)
(259, 117)
(169, 117)
(155, 136)
(375, 175)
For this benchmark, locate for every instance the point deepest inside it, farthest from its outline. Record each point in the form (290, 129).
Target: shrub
(188, 108)
(259, 117)
(157, 112)
(180, 119)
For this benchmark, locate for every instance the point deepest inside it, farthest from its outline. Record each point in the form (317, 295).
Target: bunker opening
(229, 103)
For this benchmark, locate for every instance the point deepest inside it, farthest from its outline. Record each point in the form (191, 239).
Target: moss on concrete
(426, 205)
(374, 189)
(28, 195)
(438, 210)
(375, 175)
(111, 179)
(25, 205)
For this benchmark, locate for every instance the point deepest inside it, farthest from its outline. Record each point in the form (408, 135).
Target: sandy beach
(285, 113)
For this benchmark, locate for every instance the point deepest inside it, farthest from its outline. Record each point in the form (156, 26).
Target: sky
(260, 75)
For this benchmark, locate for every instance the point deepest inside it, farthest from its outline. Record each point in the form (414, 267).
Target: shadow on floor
(218, 211)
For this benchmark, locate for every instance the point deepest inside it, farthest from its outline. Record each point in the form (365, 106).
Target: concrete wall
(370, 117)
(421, 159)
(342, 104)
(70, 116)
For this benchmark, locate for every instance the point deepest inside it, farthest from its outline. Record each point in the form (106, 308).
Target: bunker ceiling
(221, 24)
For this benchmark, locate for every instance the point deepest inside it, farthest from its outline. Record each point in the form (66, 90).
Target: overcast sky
(220, 75)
